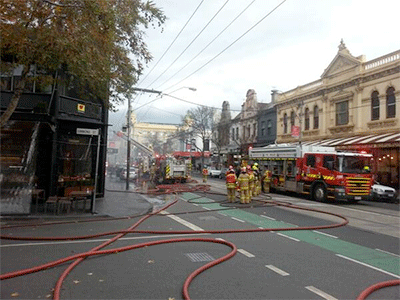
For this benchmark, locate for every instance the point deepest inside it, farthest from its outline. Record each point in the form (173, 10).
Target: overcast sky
(292, 44)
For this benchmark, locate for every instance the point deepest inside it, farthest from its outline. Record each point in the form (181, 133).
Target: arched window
(269, 127)
(307, 119)
(292, 119)
(390, 103)
(316, 117)
(375, 105)
(285, 123)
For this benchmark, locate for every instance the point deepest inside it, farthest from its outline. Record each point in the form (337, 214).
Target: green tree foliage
(101, 42)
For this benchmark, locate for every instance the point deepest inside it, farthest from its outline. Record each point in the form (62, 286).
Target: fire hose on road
(78, 258)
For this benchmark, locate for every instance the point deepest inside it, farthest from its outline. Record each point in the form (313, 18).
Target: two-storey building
(353, 106)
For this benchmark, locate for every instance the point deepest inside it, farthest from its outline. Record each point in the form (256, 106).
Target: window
(342, 113)
(311, 160)
(237, 133)
(375, 106)
(316, 117)
(269, 127)
(307, 119)
(285, 123)
(390, 103)
(262, 128)
(292, 119)
(329, 161)
(233, 133)
(254, 129)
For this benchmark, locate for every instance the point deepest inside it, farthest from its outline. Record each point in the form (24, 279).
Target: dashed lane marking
(236, 219)
(182, 221)
(320, 293)
(244, 252)
(387, 252)
(269, 218)
(332, 236)
(277, 270)
(367, 265)
(289, 237)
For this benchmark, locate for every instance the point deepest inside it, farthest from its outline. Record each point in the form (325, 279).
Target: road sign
(87, 131)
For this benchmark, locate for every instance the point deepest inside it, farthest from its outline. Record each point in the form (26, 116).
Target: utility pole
(128, 150)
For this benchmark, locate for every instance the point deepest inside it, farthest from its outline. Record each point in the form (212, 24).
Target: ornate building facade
(353, 106)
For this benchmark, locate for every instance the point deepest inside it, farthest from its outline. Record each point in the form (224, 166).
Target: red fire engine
(321, 172)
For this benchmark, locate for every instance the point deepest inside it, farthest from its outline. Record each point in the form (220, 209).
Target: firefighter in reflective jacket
(205, 174)
(251, 182)
(257, 181)
(231, 185)
(243, 185)
(267, 180)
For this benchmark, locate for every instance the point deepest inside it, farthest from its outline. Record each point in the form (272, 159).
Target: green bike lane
(375, 259)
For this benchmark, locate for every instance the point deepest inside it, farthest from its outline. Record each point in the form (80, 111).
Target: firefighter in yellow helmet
(267, 180)
(243, 184)
(205, 174)
(231, 185)
(251, 182)
(257, 182)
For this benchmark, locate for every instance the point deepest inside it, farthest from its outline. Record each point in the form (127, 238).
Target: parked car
(213, 172)
(132, 174)
(382, 192)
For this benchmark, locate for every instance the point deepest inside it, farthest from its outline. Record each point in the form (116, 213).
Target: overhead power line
(234, 42)
(187, 47)
(212, 41)
(169, 47)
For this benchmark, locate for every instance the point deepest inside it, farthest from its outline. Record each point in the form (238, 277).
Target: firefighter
(243, 185)
(267, 180)
(251, 182)
(366, 169)
(231, 185)
(153, 170)
(257, 182)
(205, 174)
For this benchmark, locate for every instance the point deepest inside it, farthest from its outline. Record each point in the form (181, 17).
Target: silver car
(383, 192)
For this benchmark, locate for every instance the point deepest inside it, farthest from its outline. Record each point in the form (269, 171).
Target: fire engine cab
(322, 172)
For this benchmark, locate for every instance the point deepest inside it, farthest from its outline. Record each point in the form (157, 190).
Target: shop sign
(81, 108)
(87, 131)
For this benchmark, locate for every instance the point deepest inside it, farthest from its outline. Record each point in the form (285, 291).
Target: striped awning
(386, 139)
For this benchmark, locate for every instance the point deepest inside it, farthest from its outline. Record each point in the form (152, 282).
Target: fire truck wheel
(319, 193)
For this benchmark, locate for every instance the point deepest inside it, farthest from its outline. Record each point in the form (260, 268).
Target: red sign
(295, 131)
(188, 146)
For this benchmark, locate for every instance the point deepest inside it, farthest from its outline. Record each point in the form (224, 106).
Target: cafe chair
(52, 201)
(64, 204)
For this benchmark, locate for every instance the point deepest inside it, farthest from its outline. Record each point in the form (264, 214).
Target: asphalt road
(336, 263)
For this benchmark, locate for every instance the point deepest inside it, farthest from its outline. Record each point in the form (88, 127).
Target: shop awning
(191, 154)
(379, 140)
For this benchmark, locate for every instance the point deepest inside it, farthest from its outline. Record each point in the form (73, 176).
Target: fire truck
(171, 169)
(321, 172)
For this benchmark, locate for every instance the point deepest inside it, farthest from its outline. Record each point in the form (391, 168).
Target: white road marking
(97, 240)
(369, 266)
(387, 252)
(277, 270)
(332, 236)
(269, 218)
(244, 252)
(289, 237)
(222, 214)
(207, 208)
(236, 219)
(221, 239)
(195, 204)
(182, 221)
(320, 293)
